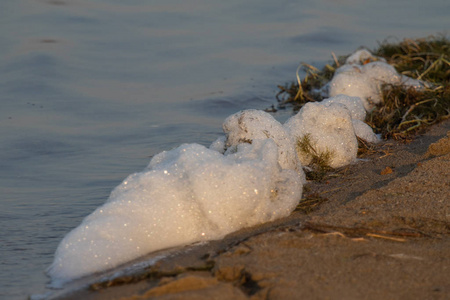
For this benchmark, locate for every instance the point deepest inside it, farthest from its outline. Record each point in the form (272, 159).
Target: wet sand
(383, 233)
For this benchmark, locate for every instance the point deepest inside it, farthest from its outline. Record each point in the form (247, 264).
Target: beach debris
(310, 203)
(366, 81)
(399, 235)
(386, 171)
(379, 236)
(409, 83)
(406, 256)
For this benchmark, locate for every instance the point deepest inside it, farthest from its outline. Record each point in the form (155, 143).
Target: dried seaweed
(310, 203)
(404, 111)
(320, 163)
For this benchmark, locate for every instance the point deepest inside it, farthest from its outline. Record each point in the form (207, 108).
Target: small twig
(385, 237)
(362, 231)
(386, 153)
(446, 61)
(431, 67)
(360, 239)
(418, 121)
(300, 89)
(336, 61)
(310, 67)
(335, 233)
(414, 106)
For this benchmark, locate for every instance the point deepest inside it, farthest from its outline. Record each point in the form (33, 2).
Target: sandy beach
(382, 233)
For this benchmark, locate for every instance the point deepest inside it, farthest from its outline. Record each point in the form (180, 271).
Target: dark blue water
(90, 90)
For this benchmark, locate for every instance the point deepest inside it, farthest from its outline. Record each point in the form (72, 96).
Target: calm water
(90, 90)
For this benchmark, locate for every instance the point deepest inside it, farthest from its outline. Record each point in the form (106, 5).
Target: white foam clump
(330, 129)
(362, 56)
(364, 82)
(353, 104)
(185, 195)
(358, 115)
(249, 125)
(365, 132)
(363, 76)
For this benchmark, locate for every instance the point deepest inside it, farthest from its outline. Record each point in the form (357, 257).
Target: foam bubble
(185, 195)
(361, 79)
(353, 104)
(362, 56)
(219, 144)
(353, 82)
(247, 125)
(364, 131)
(330, 129)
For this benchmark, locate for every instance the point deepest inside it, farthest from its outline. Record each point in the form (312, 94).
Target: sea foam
(251, 175)
(330, 128)
(247, 125)
(185, 195)
(363, 76)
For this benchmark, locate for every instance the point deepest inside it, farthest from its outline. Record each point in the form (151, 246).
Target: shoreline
(384, 231)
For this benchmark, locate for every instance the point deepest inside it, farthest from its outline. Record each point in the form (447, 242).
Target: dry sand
(384, 233)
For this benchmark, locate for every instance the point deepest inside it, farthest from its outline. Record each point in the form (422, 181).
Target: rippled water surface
(90, 90)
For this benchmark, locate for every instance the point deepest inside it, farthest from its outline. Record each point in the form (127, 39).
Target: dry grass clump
(404, 111)
(425, 58)
(407, 111)
(320, 163)
(290, 93)
(310, 203)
